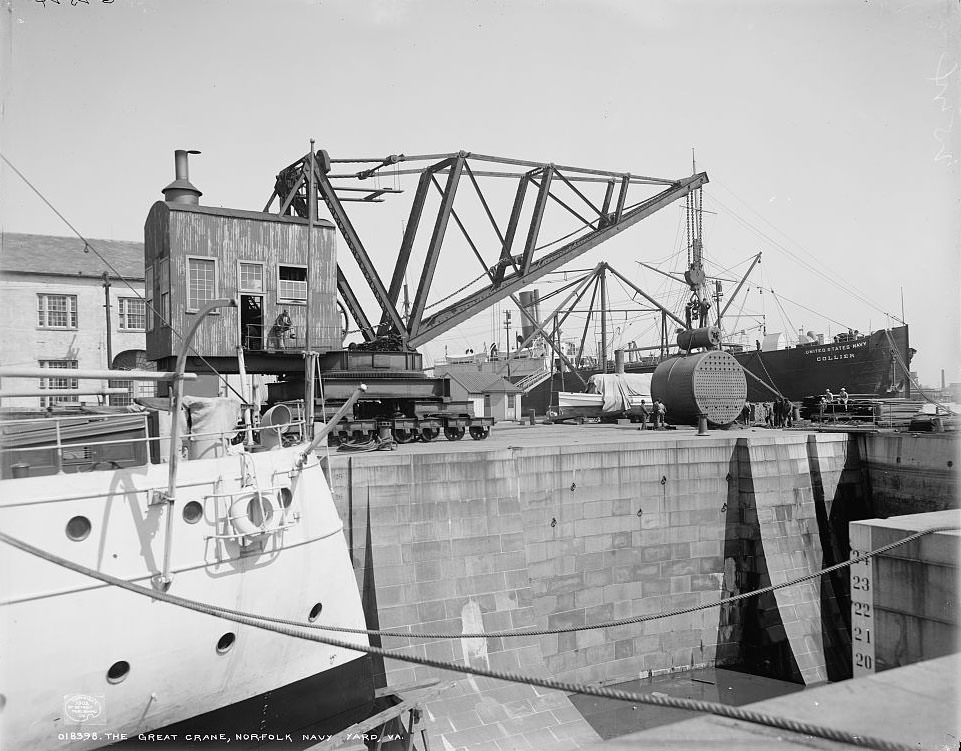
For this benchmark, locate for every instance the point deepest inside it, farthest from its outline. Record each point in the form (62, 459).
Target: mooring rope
(694, 705)
(529, 631)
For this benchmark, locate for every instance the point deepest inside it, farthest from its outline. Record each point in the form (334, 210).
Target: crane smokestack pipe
(181, 190)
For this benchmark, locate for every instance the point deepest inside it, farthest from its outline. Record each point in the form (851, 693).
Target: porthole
(950, 464)
(315, 612)
(260, 512)
(193, 512)
(78, 528)
(226, 642)
(118, 671)
(285, 497)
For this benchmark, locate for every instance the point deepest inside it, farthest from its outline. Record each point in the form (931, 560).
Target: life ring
(246, 509)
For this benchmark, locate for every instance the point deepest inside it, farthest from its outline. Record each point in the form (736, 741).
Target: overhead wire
(828, 277)
(88, 246)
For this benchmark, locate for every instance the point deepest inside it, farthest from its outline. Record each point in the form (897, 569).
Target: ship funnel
(181, 190)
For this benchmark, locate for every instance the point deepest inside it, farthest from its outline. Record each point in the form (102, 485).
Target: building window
(201, 282)
(292, 284)
(132, 313)
(57, 311)
(121, 400)
(134, 389)
(58, 382)
(251, 277)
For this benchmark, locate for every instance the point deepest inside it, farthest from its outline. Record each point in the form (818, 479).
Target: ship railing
(21, 372)
(258, 337)
(60, 443)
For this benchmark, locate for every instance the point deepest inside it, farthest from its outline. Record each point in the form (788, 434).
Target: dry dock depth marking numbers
(862, 603)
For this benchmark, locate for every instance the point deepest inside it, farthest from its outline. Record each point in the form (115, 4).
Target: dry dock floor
(916, 705)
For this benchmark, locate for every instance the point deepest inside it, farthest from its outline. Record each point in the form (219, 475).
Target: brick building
(53, 314)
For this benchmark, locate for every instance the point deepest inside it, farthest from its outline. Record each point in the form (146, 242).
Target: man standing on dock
(643, 415)
(660, 412)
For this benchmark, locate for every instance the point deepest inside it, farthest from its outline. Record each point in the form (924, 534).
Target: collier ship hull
(865, 365)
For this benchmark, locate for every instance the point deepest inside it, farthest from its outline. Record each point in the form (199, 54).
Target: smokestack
(530, 301)
(181, 190)
(619, 361)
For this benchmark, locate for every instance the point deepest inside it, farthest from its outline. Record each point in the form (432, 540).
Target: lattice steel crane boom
(519, 259)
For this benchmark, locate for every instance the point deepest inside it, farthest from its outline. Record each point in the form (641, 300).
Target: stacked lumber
(885, 412)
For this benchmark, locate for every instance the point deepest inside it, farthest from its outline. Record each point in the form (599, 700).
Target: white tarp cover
(621, 390)
(217, 415)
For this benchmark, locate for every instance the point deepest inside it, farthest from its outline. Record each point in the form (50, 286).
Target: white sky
(832, 127)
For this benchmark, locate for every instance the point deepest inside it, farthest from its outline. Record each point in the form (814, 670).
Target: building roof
(65, 256)
(483, 383)
(260, 216)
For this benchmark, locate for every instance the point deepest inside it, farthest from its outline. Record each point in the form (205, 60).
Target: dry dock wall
(905, 601)
(909, 473)
(558, 536)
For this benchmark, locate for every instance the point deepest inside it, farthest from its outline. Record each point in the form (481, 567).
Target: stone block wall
(558, 537)
(910, 473)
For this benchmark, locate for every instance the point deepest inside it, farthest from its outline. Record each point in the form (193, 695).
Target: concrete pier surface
(916, 705)
(555, 527)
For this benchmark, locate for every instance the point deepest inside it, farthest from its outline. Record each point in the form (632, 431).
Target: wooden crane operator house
(285, 283)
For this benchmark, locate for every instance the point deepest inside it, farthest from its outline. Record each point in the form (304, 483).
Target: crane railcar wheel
(479, 432)
(429, 434)
(454, 434)
(402, 435)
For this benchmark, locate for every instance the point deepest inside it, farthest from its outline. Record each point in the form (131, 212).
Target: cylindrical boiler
(708, 337)
(710, 383)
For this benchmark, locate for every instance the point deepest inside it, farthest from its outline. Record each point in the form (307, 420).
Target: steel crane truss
(595, 280)
(520, 260)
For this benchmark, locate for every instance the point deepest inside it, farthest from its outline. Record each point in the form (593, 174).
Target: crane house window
(133, 313)
(201, 282)
(58, 382)
(57, 311)
(292, 284)
(164, 313)
(251, 277)
(148, 295)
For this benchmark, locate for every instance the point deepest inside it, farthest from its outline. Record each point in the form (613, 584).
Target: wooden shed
(285, 283)
(489, 395)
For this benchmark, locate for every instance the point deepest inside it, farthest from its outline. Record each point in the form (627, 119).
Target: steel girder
(462, 310)
(600, 224)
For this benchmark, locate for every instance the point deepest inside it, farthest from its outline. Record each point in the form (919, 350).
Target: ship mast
(696, 311)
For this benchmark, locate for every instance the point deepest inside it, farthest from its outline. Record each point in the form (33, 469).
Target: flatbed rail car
(454, 423)
(410, 429)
